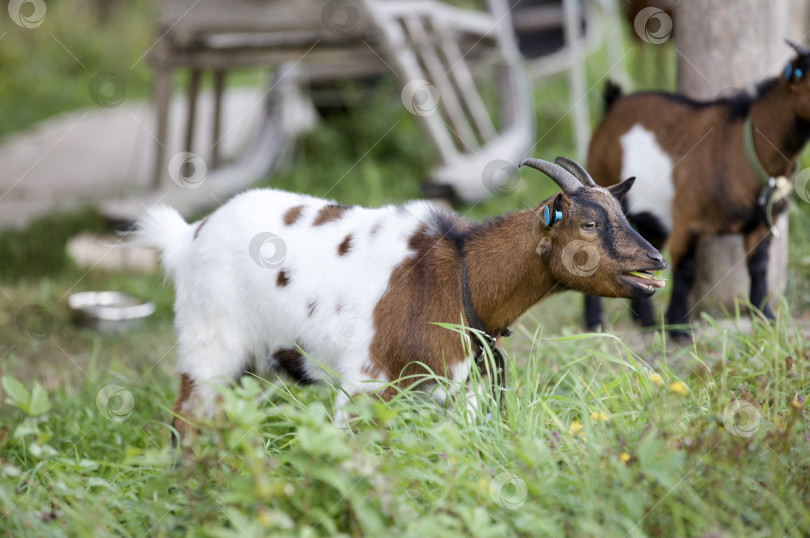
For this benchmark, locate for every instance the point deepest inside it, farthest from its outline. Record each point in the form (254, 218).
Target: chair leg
(162, 95)
(192, 94)
(219, 87)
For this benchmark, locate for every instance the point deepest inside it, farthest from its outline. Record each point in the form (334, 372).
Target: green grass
(76, 59)
(49, 69)
(591, 440)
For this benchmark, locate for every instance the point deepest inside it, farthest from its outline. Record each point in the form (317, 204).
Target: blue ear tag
(788, 70)
(548, 218)
(798, 73)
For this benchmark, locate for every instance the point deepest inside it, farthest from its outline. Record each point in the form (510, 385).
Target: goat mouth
(644, 279)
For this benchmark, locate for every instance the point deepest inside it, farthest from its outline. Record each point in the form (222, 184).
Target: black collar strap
(474, 322)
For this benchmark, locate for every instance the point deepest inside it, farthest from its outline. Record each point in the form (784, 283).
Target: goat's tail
(611, 94)
(162, 228)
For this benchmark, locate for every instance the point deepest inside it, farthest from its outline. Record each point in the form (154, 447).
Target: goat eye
(589, 225)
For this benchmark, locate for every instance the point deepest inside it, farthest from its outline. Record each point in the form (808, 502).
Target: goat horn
(802, 50)
(562, 177)
(576, 170)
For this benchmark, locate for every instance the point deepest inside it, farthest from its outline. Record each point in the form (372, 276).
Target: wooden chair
(217, 36)
(425, 41)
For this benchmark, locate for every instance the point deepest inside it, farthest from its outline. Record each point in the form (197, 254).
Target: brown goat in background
(694, 178)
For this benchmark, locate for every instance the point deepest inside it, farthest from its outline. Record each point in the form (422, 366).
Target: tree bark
(724, 46)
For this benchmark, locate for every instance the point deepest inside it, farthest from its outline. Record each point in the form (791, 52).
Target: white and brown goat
(279, 281)
(695, 177)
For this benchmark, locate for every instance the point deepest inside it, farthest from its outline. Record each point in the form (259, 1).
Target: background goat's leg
(593, 313)
(757, 248)
(682, 250)
(650, 228)
(642, 310)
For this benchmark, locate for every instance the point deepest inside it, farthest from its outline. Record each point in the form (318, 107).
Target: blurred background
(108, 106)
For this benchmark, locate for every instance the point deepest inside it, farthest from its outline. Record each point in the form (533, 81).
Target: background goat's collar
(751, 153)
(773, 188)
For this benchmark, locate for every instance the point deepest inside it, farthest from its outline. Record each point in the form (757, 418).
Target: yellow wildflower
(656, 379)
(679, 388)
(624, 457)
(598, 416)
(576, 427)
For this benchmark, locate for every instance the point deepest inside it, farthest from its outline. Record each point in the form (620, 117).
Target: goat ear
(552, 212)
(620, 191)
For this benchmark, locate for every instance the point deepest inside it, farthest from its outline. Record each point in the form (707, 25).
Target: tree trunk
(723, 46)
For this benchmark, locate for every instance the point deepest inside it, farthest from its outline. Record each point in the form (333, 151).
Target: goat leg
(643, 311)
(683, 277)
(651, 229)
(593, 313)
(757, 247)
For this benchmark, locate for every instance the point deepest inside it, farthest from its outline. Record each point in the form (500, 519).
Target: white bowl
(108, 311)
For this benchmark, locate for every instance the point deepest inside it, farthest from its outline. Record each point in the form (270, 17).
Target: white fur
(653, 190)
(230, 313)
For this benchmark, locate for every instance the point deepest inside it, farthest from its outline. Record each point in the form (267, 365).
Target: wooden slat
(438, 76)
(219, 89)
(537, 18)
(396, 47)
(190, 17)
(192, 93)
(461, 75)
(460, 20)
(252, 57)
(162, 94)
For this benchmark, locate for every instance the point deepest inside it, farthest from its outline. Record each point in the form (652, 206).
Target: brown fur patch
(292, 215)
(421, 240)
(507, 277)
(345, 246)
(282, 279)
(329, 213)
(424, 288)
(202, 223)
(186, 388)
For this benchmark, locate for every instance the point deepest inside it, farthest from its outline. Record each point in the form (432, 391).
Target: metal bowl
(108, 311)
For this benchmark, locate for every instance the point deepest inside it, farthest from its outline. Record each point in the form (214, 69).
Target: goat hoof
(681, 337)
